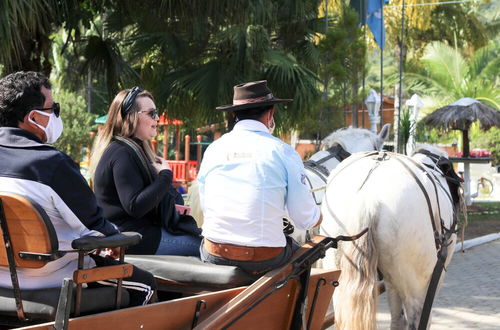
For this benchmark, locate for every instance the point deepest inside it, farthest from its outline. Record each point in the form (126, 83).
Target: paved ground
(470, 295)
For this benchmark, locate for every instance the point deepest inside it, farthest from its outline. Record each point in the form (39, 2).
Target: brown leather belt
(241, 253)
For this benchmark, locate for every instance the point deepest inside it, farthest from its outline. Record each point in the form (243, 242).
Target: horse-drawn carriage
(192, 294)
(413, 216)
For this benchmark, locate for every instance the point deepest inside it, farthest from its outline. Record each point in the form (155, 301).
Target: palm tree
(189, 53)
(25, 27)
(194, 52)
(445, 75)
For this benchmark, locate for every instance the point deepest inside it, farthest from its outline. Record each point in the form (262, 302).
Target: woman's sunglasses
(153, 113)
(56, 109)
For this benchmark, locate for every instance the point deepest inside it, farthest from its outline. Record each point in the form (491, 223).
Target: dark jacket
(128, 198)
(51, 178)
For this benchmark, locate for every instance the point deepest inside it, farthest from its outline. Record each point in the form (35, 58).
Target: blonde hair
(116, 125)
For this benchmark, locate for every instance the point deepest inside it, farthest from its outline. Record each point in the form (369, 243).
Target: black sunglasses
(153, 113)
(129, 100)
(56, 109)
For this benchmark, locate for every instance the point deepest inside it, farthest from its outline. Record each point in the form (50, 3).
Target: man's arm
(299, 201)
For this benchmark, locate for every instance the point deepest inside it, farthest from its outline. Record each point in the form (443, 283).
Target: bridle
(315, 166)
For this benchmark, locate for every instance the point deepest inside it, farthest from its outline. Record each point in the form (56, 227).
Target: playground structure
(184, 170)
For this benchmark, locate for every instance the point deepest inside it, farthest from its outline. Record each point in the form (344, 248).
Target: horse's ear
(384, 132)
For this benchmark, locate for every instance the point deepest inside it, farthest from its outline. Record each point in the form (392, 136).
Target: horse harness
(442, 237)
(315, 166)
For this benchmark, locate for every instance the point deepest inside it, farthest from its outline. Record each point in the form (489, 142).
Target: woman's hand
(113, 253)
(161, 164)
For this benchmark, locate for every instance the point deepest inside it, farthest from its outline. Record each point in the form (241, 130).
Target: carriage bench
(189, 274)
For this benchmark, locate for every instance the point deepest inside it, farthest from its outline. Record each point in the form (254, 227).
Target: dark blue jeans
(255, 268)
(178, 245)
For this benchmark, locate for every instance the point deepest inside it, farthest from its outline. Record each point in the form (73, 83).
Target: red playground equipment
(184, 170)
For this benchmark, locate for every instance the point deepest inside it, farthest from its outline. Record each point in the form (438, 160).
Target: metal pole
(325, 85)
(89, 90)
(400, 93)
(382, 69)
(363, 11)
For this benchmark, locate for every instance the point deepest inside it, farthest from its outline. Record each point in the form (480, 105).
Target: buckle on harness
(381, 156)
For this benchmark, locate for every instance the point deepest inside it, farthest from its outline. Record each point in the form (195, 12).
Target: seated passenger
(29, 118)
(249, 180)
(133, 186)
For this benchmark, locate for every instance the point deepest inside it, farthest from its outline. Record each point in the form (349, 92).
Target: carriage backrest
(30, 231)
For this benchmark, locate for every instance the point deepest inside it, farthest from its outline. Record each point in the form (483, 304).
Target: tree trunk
(354, 105)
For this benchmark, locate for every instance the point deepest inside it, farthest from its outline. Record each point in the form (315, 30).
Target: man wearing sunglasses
(29, 119)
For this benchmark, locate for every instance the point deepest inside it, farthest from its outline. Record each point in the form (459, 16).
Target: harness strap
(444, 230)
(317, 169)
(337, 151)
(426, 195)
(313, 190)
(431, 290)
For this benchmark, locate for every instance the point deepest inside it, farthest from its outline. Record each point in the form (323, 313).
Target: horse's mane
(431, 148)
(343, 134)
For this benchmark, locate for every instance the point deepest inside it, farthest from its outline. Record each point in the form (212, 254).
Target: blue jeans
(178, 245)
(255, 268)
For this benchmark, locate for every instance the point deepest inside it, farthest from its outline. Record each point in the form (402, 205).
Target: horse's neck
(354, 144)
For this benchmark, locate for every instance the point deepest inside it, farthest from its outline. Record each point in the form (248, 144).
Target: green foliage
(77, 124)
(447, 76)
(486, 140)
(343, 59)
(433, 136)
(454, 25)
(405, 127)
(188, 53)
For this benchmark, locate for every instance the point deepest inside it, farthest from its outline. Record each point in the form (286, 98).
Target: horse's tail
(356, 296)
(194, 203)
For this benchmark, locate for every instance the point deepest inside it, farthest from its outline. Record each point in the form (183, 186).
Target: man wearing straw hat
(249, 180)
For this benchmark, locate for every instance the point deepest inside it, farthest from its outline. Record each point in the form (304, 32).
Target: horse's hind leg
(398, 320)
(413, 310)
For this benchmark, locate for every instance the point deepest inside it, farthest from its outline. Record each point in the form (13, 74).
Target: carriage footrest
(190, 273)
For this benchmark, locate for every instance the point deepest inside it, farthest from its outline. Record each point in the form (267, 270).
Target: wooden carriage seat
(34, 243)
(190, 274)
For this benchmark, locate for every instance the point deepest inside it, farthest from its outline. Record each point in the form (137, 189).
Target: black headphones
(129, 100)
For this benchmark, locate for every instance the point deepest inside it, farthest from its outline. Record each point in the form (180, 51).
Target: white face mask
(54, 127)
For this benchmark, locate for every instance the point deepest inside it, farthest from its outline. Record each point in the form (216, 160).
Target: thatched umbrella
(460, 115)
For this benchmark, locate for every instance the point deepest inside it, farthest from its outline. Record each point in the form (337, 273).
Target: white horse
(384, 192)
(337, 146)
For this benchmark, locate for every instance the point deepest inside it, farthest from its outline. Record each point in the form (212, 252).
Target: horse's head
(357, 139)
(422, 148)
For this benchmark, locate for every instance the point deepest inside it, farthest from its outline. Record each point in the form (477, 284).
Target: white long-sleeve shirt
(249, 180)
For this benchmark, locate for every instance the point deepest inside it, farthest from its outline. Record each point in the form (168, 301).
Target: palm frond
(103, 57)
(289, 79)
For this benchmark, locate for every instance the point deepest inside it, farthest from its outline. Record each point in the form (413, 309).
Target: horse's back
(388, 193)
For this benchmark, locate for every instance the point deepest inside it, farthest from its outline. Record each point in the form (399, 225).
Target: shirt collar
(19, 138)
(250, 125)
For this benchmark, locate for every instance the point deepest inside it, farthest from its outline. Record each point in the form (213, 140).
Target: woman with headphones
(134, 186)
